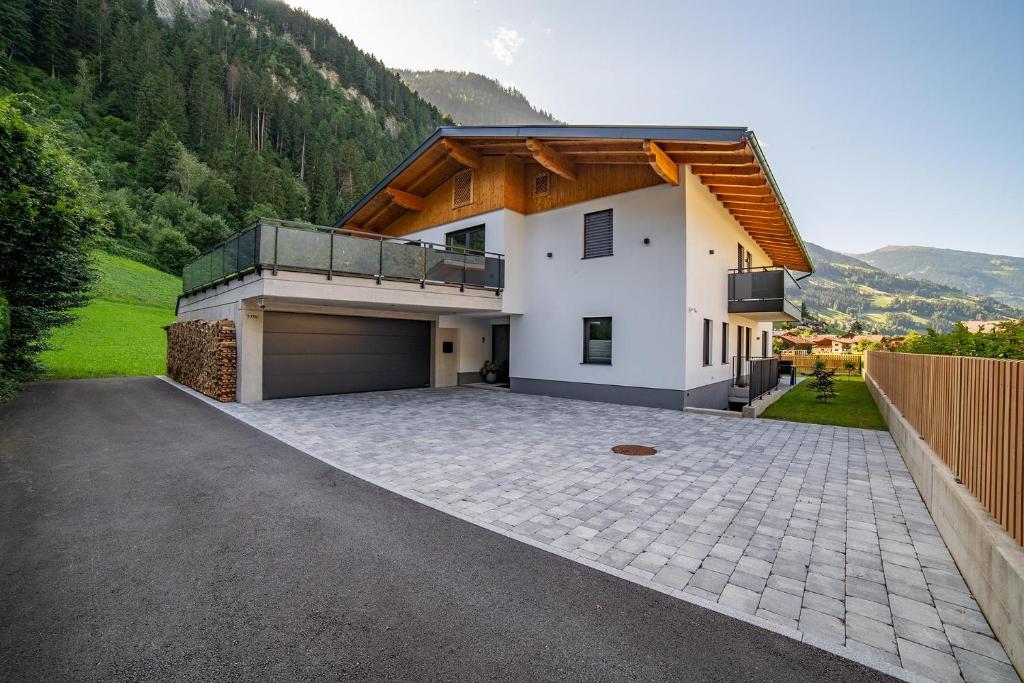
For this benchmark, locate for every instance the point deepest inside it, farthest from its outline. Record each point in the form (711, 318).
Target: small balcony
(766, 294)
(273, 245)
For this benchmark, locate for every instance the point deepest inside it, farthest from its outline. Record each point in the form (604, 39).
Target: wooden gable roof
(728, 161)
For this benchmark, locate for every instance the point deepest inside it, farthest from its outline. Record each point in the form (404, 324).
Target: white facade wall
(640, 287)
(711, 227)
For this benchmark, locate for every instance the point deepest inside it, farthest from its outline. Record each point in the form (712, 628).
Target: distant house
(829, 343)
(975, 326)
(796, 343)
(859, 339)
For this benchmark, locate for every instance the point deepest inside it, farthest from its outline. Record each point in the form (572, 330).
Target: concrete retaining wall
(990, 560)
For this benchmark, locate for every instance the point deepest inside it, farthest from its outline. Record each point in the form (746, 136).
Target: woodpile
(202, 354)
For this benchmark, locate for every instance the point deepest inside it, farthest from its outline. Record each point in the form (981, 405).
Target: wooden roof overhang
(728, 161)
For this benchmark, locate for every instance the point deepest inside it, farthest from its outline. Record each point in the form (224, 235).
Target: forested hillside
(190, 127)
(475, 100)
(1000, 277)
(844, 289)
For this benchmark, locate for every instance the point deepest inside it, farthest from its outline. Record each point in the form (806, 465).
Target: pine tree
(15, 29)
(158, 157)
(51, 36)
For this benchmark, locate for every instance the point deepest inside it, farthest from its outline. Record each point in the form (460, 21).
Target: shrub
(48, 220)
(172, 250)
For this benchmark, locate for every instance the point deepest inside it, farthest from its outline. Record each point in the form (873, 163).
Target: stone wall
(202, 355)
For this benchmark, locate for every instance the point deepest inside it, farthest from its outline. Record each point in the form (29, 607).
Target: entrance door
(500, 336)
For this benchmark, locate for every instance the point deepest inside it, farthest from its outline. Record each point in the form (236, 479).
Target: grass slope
(120, 332)
(853, 407)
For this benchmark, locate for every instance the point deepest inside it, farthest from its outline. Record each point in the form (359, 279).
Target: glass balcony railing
(282, 245)
(768, 293)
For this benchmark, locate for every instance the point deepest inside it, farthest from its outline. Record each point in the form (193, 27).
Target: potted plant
(489, 371)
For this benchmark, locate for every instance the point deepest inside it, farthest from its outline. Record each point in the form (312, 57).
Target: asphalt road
(146, 535)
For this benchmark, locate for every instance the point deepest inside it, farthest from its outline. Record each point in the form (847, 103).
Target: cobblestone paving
(815, 528)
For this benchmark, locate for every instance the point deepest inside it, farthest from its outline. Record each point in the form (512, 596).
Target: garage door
(309, 355)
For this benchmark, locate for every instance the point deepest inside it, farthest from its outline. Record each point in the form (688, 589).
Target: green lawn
(120, 332)
(853, 407)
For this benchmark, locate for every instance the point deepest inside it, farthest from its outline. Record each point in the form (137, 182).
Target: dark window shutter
(597, 234)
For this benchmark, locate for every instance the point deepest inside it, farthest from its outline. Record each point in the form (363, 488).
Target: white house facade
(632, 265)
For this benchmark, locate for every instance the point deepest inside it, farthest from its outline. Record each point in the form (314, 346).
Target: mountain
(1000, 277)
(472, 99)
(844, 288)
(193, 116)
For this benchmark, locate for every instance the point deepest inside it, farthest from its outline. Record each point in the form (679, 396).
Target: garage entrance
(306, 354)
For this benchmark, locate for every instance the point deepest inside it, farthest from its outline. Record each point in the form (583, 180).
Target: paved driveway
(146, 536)
(816, 531)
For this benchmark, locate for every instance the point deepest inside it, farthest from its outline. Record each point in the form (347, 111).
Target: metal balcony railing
(767, 290)
(759, 375)
(277, 245)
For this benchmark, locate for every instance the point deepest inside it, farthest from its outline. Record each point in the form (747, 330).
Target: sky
(883, 122)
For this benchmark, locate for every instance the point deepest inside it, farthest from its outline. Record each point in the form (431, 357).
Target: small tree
(824, 384)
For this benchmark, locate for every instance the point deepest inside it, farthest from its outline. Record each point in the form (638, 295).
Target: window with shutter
(541, 184)
(597, 234)
(462, 188)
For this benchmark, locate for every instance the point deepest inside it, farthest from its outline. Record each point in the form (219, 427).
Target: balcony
(764, 294)
(274, 245)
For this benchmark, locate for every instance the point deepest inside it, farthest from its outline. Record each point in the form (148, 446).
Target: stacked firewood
(202, 354)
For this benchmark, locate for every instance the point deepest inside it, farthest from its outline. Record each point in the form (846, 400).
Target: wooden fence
(806, 362)
(971, 412)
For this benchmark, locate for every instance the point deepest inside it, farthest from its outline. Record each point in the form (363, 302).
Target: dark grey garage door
(309, 355)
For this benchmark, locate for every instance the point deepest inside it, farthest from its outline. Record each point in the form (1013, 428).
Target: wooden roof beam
(714, 158)
(550, 159)
(743, 180)
(462, 154)
(726, 170)
(661, 163)
(748, 201)
(406, 200)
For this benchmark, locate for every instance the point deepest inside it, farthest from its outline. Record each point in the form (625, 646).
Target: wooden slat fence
(971, 412)
(805, 363)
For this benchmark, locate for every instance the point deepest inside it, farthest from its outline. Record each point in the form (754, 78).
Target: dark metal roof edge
(763, 162)
(692, 133)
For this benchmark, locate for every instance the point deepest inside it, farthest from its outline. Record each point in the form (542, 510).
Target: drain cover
(630, 449)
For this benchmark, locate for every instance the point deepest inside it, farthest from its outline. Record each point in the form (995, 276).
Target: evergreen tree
(159, 156)
(15, 29)
(50, 34)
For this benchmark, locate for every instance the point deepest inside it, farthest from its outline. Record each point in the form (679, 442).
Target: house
(797, 343)
(829, 343)
(622, 264)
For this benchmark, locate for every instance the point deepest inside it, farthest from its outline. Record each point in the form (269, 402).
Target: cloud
(505, 43)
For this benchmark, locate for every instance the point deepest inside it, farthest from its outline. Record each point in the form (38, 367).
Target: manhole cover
(629, 449)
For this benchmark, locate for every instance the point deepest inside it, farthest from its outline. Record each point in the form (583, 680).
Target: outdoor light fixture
(550, 254)
(647, 240)
(261, 303)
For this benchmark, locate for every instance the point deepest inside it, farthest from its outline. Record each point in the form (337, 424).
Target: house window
(739, 341)
(746, 343)
(707, 342)
(749, 262)
(597, 234)
(725, 343)
(764, 344)
(542, 184)
(739, 257)
(597, 341)
(462, 188)
(470, 240)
